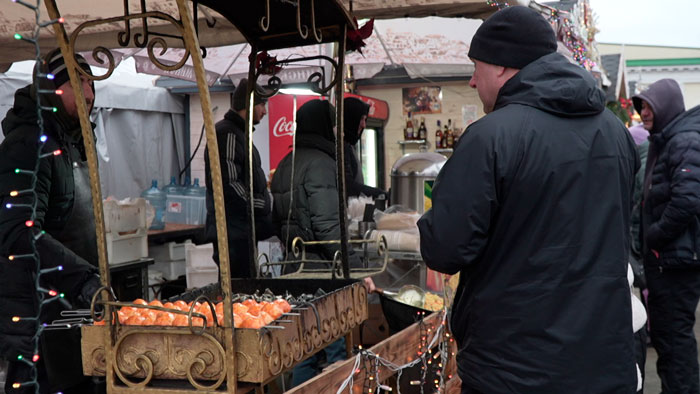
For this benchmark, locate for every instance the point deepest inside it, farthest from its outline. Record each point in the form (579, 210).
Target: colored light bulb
(54, 109)
(8, 205)
(35, 358)
(11, 258)
(16, 385)
(42, 138)
(61, 295)
(14, 193)
(29, 223)
(15, 319)
(16, 170)
(60, 268)
(50, 76)
(20, 357)
(57, 152)
(18, 36)
(61, 20)
(53, 293)
(59, 92)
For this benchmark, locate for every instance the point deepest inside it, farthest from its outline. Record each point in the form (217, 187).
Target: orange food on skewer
(239, 308)
(273, 310)
(155, 303)
(283, 304)
(135, 320)
(140, 301)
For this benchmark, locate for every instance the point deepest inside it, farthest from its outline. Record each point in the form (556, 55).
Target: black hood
(354, 109)
(555, 85)
(22, 113)
(316, 118)
(666, 100)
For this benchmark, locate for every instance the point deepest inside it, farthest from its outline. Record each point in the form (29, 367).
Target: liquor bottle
(410, 133)
(450, 135)
(422, 130)
(438, 136)
(445, 133)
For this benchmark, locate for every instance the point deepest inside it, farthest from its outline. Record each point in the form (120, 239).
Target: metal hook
(303, 30)
(265, 20)
(317, 33)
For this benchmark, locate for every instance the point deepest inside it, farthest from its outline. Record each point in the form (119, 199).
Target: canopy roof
(214, 29)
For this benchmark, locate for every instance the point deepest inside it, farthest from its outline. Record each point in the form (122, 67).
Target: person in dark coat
(532, 210)
(306, 205)
(671, 231)
(355, 121)
(230, 136)
(63, 232)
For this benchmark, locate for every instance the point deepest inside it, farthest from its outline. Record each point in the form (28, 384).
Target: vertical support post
(250, 108)
(340, 155)
(93, 172)
(192, 44)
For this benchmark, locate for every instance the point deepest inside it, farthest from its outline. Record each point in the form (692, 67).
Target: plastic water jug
(157, 200)
(196, 203)
(173, 187)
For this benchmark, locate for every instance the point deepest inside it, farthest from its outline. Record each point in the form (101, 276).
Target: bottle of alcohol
(445, 133)
(422, 130)
(438, 136)
(451, 136)
(410, 132)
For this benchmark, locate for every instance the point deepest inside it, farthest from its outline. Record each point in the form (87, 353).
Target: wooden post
(340, 155)
(192, 44)
(93, 171)
(250, 112)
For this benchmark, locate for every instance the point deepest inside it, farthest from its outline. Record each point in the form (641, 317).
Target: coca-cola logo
(282, 127)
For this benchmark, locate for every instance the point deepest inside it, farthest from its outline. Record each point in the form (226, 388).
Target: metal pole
(192, 44)
(93, 172)
(250, 107)
(340, 156)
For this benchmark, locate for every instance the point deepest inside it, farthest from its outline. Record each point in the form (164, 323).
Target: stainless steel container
(408, 177)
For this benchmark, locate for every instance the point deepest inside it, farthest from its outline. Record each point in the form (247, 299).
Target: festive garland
(43, 296)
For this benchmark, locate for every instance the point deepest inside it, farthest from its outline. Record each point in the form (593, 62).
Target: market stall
(207, 352)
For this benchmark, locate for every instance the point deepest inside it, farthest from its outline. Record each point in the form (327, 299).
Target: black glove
(87, 291)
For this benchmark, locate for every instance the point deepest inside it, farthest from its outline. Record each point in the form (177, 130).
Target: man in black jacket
(355, 121)
(63, 232)
(671, 231)
(230, 135)
(532, 210)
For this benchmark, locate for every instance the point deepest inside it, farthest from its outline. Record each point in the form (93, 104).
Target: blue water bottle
(157, 200)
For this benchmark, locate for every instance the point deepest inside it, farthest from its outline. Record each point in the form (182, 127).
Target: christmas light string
(29, 201)
(438, 334)
(500, 5)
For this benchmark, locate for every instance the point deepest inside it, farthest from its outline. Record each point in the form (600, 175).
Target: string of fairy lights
(29, 201)
(369, 364)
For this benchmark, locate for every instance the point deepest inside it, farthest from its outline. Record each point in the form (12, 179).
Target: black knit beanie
(57, 66)
(513, 37)
(240, 92)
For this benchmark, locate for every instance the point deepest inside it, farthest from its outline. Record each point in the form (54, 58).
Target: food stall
(207, 351)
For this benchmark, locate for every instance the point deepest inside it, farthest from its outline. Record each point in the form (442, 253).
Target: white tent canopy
(139, 127)
(15, 18)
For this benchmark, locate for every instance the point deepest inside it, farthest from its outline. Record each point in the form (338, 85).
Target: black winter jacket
(230, 136)
(313, 195)
(533, 210)
(55, 193)
(672, 204)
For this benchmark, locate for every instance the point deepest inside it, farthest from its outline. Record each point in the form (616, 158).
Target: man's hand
(368, 283)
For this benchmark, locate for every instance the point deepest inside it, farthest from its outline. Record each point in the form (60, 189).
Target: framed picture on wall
(422, 100)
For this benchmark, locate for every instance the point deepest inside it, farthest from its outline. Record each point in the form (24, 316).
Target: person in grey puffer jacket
(671, 231)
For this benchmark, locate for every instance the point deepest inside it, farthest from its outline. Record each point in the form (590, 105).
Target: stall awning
(15, 18)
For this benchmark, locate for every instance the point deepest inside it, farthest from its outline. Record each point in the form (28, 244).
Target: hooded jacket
(532, 210)
(54, 204)
(354, 181)
(305, 191)
(670, 213)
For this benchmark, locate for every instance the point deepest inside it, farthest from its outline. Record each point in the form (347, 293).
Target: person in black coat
(671, 231)
(355, 121)
(533, 211)
(63, 232)
(230, 136)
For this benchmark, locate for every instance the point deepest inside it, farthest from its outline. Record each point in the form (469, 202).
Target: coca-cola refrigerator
(280, 125)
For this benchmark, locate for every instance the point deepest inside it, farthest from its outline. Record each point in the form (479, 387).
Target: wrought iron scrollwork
(315, 81)
(265, 20)
(123, 37)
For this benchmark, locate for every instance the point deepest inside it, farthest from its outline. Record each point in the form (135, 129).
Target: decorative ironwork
(142, 40)
(265, 20)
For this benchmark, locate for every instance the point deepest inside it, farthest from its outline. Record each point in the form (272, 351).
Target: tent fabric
(15, 18)
(140, 129)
